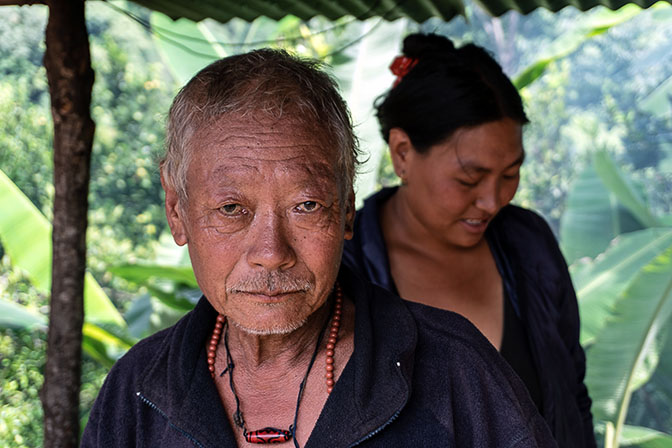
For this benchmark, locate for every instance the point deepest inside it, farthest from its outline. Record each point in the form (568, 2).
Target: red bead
(330, 383)
(211, 361)
(268, 435)
(331, 340)
(330, 353)
(329, 375)
(330, 346)
(330, 360)
(330, 367)
(329, 389)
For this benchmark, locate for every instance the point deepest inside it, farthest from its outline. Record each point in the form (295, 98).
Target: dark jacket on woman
(537, 283)
(418, 377)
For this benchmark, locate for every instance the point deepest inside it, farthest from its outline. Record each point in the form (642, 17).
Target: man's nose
(270, 244)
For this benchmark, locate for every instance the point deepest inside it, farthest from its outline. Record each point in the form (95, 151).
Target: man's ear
(401, 152)
(174, 213)
(350, 215)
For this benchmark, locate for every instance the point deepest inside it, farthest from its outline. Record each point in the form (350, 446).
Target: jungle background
(597, 87)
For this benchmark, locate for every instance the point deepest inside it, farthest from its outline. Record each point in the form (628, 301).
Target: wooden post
(68, 63)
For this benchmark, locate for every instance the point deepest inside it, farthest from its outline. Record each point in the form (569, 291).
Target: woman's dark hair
(449, 88)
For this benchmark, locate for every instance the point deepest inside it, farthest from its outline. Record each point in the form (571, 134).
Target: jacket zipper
(390, 420)
(380, 428)
(163, 414)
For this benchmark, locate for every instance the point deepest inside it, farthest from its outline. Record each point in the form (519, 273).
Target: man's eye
(231, 209)
(308, 206)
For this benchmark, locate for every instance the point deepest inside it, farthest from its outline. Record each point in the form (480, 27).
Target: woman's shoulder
(454, 358)
(522, 228)
(523, 218)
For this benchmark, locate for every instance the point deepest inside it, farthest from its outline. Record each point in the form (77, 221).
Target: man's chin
(277, 329)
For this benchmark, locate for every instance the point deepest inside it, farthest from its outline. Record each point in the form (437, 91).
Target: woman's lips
(475, 225)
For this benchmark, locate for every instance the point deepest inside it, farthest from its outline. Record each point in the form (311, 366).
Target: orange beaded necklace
(270, 434)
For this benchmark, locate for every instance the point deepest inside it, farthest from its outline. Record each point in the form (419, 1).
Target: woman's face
(456, 188)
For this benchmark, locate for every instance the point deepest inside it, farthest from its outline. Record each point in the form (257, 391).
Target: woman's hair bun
(419, 45)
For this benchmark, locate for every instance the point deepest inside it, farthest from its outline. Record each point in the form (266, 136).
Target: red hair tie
(401, 66)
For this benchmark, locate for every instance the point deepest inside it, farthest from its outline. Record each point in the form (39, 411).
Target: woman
(448, 237)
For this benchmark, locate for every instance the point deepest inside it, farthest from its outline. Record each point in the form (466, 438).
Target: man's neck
(253, 352)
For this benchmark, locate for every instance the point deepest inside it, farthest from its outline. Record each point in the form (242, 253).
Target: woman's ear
(401, 152)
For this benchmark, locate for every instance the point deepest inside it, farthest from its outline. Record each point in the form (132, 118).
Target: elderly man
(286, 346)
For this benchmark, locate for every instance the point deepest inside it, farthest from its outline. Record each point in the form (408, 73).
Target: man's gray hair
(269, 81)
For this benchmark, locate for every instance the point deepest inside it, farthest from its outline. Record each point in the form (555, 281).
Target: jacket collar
(369, 232)
(177, 381)
(373, 388)
(376, 384)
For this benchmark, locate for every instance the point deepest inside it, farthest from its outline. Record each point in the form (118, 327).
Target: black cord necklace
(268, 434)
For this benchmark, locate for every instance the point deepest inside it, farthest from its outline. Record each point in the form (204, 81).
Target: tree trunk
(68, 63)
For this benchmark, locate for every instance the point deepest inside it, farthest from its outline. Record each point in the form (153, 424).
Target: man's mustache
(272, 283)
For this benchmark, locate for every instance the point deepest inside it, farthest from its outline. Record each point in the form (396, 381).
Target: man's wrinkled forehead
(244, 144)
(259, 131)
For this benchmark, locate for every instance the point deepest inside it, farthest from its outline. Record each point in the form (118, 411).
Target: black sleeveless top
(516, 350)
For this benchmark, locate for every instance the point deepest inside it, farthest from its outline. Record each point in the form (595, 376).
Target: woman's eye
(465, 183)
(511, 176)
(308, 206)
(231, 209)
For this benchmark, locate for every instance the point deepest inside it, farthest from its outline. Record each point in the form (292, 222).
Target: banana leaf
(637, 436)
(102, 345)
(185, 46)
(13, 315)
(593, 218)
(174, 286)
(624, 353)
(362, 78)
(622, 188)
(591, 26)
(143, 274)
(26, 237)
(601, 283)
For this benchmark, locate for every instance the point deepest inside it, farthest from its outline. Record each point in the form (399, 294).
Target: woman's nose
(488, 200)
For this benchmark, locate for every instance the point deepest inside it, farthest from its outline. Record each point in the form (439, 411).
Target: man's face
(264, 220)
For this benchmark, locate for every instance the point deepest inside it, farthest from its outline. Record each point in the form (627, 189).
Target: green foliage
(131, 95)
(16, 317)
(22, 358)
(593, 218)
(591, 26)
(625, 352)
(22, 362)
(576, 106)
(625, 294)
(26, 237)
(191, 51)
(601, 283)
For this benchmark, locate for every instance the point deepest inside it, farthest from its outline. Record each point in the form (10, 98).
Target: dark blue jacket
(537, 281)
(418, 377)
